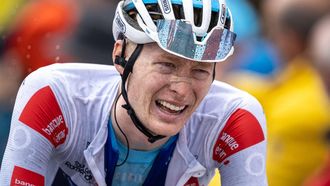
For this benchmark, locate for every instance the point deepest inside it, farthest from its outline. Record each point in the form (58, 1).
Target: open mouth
(168, 107)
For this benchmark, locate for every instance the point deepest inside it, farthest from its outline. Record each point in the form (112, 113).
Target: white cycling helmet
(199, 30)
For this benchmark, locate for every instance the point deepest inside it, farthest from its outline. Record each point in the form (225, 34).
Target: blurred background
(282, 57)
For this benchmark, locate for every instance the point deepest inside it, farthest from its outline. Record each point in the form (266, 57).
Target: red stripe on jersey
(241, 131)
(193, 181)
(43, 114)
(23, 176)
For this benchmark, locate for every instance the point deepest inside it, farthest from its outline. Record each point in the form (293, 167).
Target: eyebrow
(170, 56)
(182, 60)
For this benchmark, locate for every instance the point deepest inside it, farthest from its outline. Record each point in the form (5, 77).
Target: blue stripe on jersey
(136, 168)
(158, 170)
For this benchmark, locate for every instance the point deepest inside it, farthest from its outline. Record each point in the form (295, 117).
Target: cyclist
(156, 117)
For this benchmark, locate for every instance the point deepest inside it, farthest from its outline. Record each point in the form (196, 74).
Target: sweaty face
(164, 90)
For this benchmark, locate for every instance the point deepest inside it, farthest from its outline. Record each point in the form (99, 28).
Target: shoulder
(226, 106)
(73, 70)
(72, 78)
(65, 93)
(228, 119)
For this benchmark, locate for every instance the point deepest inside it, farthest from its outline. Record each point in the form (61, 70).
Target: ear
(117, 53)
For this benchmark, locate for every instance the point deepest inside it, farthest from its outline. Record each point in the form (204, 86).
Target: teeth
(170, 106)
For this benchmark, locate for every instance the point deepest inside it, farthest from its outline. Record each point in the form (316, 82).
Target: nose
(181, 86)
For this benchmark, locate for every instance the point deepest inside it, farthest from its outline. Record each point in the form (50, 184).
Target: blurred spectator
(92, 40)
(253, 53)
(320, 45)
(8, 12)
(60, 31)
(320, 49)
(38, 32)
(296, 105)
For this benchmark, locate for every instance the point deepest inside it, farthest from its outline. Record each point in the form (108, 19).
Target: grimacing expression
(164, 90)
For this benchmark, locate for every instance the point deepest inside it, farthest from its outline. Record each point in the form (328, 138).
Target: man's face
(164, 90)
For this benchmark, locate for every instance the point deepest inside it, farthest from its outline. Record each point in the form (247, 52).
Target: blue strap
(111, 155)
(158, 171)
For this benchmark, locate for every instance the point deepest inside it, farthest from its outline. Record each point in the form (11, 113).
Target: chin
(167, 130)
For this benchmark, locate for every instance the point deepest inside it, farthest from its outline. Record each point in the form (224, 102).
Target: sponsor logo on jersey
(253, 160)
(26, 177)
(43, 114)
(241, 131)
(82, 169)
(22, 137)
(193, 181)
(128, 177)
(166, 6)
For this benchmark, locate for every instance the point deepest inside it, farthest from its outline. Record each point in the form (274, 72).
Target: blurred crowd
(282, 57)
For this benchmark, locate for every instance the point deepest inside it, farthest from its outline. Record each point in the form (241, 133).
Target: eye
(200, 74)
(166, 67)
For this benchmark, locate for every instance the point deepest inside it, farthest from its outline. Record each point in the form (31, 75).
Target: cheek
(141, 89)
(202, 90)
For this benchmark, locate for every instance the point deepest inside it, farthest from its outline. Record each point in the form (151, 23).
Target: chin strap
(127, 70)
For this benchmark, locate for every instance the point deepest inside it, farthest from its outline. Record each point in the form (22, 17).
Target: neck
(137, 140)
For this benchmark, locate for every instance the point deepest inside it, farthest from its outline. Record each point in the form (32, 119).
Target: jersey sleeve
(38, 129)
(239, 150)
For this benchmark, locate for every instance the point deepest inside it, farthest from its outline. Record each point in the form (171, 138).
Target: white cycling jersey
(60, 120)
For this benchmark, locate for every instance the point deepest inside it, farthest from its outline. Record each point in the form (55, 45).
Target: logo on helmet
(166, 6)
(120, 23)
(223, 14)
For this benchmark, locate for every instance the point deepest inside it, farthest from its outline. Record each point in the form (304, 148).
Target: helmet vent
(178, 11)
(214, 20)
(198, 16)
(130, 20)
(155, 11)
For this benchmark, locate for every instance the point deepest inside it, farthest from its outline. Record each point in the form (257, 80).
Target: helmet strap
(213, 76)
(127, 70)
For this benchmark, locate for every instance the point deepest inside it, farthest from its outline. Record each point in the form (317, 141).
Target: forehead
(155, 53)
